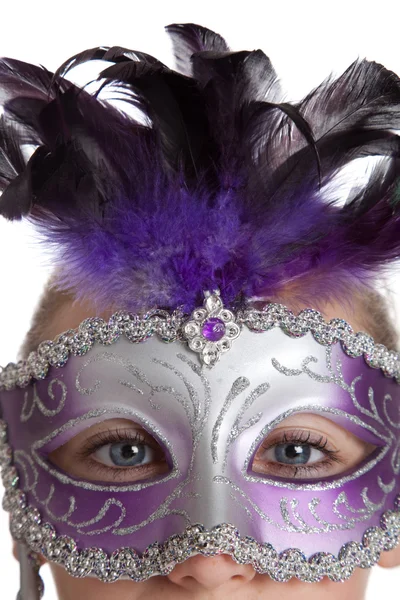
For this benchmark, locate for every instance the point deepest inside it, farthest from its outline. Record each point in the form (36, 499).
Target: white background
(305, 41)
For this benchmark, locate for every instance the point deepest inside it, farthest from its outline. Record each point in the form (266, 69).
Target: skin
(73, 459)
(219, 577)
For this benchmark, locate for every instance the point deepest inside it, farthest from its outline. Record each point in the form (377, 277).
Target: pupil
(127, 455)
(129, 451)
(292, 453)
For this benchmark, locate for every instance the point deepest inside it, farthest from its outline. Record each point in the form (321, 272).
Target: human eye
(116, 452)
(298, 453)
(309, 452)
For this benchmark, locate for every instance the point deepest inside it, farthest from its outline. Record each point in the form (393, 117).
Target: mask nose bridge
(205, 500)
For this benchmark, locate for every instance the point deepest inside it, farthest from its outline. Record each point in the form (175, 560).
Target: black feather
(189, 38)
(176, 107)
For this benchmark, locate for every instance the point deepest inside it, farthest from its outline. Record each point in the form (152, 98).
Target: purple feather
(222, 187)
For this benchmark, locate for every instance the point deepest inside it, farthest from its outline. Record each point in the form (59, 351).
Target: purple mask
(210, 423)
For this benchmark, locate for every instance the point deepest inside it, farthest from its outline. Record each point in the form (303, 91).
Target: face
(121, 449)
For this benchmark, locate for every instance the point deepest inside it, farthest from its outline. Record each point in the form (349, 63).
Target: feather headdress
(221, 185)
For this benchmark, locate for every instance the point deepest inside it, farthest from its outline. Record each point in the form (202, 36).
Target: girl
(217, 415)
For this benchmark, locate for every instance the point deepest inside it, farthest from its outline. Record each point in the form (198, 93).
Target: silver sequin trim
(170, 327)
(159, 559)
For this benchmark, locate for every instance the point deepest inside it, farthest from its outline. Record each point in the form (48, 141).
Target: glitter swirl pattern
(27, 526)
(170, 327)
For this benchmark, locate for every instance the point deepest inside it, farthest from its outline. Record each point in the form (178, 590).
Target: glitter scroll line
(170, 327)
(36, 402)
(159, 559)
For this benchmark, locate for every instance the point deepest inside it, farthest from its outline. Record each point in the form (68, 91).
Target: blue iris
(127, 455)
(292, 454)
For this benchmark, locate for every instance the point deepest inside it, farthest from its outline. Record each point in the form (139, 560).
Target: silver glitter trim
(159, 559)
(95, 413)
(170, 327)
(194, 404)
(319, 485)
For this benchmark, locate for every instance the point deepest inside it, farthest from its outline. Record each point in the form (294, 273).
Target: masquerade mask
(210, 422)
(222, 186)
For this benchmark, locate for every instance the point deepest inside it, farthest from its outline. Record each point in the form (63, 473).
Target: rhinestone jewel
(211, 329)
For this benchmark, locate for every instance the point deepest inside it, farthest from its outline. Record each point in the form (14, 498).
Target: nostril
(187, 582)
(190, 583)
(206, 572)
(240, 578)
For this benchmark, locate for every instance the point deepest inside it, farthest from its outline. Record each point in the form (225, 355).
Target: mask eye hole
(117, 450)
(309, 446)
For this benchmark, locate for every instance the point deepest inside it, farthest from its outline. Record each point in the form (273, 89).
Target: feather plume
(223, 186)
(188, 39)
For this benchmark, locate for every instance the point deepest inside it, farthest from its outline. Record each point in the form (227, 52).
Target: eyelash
(293, 437)
(296, 437)
(116, 436)
(113, 437)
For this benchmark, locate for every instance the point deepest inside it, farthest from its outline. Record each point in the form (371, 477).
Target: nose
(211, 572)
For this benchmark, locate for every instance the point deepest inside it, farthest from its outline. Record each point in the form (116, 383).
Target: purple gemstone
(213, 329)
